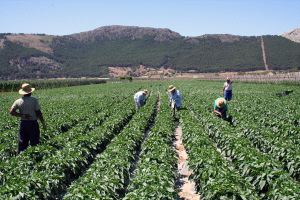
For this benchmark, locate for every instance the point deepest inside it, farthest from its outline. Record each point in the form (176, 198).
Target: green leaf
(262, 184)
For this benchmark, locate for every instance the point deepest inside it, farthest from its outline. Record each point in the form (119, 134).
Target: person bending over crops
(175, 98)
(29, 111)
(140, 99)
(227, 89)
(220, 108)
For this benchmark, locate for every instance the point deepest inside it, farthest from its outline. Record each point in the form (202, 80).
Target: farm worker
(220, 107)
(174, 97)
(227, 89)
(29, 111)
(140, 98)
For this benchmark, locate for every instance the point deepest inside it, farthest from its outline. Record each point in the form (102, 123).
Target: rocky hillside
(39, 42)
(126, 32)
(108, 50)
(293, 35)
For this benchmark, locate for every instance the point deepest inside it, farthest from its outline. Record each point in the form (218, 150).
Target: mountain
(110, 48)
(293, 35)
(126, 32)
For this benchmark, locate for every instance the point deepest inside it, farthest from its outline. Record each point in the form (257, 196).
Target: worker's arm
(138, 102)
(224, 86)
(39, 115)
(170, 99)
(13, 112)
(217, 112)
(144, 100)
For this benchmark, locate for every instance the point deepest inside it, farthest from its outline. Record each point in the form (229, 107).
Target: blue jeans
(29, 132)
(228, 95)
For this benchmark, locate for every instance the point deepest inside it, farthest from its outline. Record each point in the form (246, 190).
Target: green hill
(91, 53)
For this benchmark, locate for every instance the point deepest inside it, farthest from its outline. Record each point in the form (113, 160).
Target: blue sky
(187, 17)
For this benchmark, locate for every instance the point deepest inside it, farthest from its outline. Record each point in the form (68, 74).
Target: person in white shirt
(29, 112)
(227, 89)
(140, 98)
(175, 96)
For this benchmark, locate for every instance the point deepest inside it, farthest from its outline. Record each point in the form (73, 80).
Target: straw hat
(26, 89)
(220, 102)
(171, 88)
(145, 91)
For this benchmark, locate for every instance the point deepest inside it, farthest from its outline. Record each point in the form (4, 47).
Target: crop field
(97, 146)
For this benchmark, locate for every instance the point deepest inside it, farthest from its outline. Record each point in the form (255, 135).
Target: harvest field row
(97, 146)
(13, 85)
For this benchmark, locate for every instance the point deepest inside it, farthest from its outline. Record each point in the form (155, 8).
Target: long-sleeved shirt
(176, 96)
(139, 98)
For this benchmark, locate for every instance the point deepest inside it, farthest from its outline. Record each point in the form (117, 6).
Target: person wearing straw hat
(140, 98)
(29, 111)
(175, 96)
(227, 89)
(220, 107)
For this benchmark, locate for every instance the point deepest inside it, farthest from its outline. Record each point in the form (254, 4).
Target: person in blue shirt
(175, 97)
(140, 99)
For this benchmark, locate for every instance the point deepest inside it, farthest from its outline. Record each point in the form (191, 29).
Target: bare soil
(39, 42)
(141, 71)
(1, 43)
(186, 186)
(147, 73)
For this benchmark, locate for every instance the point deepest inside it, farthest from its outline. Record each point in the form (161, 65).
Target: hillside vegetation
(91, 53)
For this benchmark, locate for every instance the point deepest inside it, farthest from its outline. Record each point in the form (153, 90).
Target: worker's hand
(217, 112)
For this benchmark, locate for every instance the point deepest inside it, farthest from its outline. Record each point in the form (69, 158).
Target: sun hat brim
(220, 103)
(22, 92)
(171, 89)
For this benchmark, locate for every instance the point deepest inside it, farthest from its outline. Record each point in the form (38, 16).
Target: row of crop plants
(54, 110)
(281, 115)
(265, 173)
(7, 86)
(63, 122)
(268, 110)
(57, 105)
(51, 167)
(7, 123)
(155, 175)
(53, 101)
(108, 176)
(81, 115)
(270, 122)
(214, 176)
(273, 134)
(35, 154)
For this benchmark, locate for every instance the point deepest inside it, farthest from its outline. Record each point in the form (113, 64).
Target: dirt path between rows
(186, 186)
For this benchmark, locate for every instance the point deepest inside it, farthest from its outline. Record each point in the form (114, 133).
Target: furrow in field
(108, 175)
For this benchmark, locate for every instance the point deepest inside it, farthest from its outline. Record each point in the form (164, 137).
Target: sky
(187, 17)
